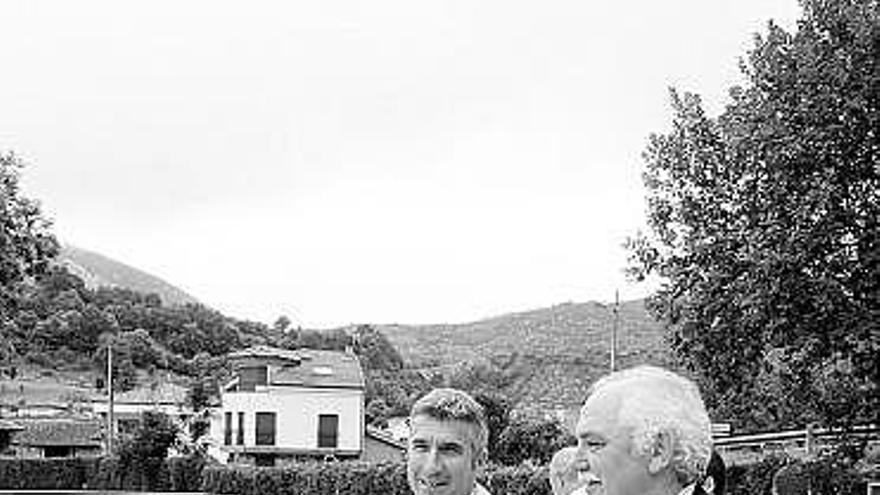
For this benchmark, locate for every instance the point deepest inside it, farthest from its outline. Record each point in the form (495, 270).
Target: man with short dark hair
(642, 431)
(447, 444)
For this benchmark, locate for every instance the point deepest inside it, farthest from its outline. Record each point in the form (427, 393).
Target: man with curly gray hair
(644, 430)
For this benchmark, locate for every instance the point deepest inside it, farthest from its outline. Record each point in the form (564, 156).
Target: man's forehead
(599, 412)
(448, 430)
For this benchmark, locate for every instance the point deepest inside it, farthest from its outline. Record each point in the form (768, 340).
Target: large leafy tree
(26, 242)
(763, 225)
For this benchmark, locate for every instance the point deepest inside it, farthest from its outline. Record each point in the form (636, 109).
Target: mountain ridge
(98, 270)
(543, 359)
(550, 355)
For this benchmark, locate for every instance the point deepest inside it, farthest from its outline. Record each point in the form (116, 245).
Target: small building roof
(384, 436)
(266, 352)
(6, 425)
(161, 393)
(307, 367)
(322, 369)
(59, 432)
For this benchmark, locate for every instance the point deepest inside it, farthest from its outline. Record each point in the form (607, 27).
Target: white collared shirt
(479, 490)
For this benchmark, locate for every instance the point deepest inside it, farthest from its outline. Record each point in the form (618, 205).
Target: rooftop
(59, 432)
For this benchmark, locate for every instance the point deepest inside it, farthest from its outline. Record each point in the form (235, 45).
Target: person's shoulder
(480, 490)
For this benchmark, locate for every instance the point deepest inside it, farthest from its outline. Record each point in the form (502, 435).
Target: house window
(58, 451)
(227, 429)
(265, 428)
(251, 376)
(239, 437)
(328, 430)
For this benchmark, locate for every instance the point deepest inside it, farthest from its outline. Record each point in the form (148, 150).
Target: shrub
(827, 476)
(186, 472)
(354, 478)
(46, 474)
(753, 479)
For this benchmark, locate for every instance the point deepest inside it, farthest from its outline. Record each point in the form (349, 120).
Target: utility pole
(109, 398)
(614, 330)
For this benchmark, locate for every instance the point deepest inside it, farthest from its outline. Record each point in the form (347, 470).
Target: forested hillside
(541, 359)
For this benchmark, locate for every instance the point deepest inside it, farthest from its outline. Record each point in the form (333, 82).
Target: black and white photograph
(440, 248)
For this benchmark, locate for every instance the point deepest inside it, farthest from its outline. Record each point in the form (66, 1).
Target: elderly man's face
(441, 460)
(606, 447)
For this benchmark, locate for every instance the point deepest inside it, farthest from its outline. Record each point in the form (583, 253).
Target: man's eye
(594, 444)
(450, 449)
(419, 447)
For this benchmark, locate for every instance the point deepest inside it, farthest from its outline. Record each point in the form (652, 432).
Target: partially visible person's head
(447, 444)
(715, 480)
(564, 475)
(644, 429)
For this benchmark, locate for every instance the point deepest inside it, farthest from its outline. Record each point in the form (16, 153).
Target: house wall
(297, 410)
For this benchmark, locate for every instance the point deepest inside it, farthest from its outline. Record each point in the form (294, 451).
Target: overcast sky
(359, 161)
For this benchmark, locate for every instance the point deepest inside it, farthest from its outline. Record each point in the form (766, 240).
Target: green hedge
(824, 476)
(46, 474)
(355, 478)
(177, 474)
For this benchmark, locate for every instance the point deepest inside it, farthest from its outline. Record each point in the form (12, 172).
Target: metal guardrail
(805, 435)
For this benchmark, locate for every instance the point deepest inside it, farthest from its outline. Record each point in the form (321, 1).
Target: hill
(98, 270)
(549, 355)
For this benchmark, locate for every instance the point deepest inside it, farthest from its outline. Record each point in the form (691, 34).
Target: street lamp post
(110, 398)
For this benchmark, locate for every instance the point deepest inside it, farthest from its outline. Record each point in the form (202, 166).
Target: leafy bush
(354, 478)
(755, 478)
(518, 480)
(46, 474)
(826, 476)
(178, 474)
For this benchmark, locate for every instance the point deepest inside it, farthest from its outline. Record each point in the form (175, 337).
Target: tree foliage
(764, 226)
(144, 452)
(530, 439)
(497, 409)
(26, 241)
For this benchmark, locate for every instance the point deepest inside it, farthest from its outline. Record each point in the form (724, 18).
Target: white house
(285, 404)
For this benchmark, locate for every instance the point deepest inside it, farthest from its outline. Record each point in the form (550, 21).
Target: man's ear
(660, 455)
(480, 461)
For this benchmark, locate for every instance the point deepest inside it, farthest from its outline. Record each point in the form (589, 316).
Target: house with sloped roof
(57, 437)
(159, 396)
(284, 405)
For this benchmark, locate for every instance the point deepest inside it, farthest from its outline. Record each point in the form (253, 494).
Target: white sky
(359, 161)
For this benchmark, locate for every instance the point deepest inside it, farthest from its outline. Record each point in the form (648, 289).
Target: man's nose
(581, 461)
(433, 462)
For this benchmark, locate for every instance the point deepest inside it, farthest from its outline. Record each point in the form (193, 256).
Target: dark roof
(266, 352)
(59, 432)
(308, 367)
(162, 393)
(321, 369)
(384, 437)
(9, 425)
